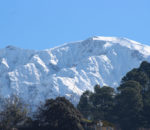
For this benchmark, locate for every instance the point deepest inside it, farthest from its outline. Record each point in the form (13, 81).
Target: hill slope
(68, 70)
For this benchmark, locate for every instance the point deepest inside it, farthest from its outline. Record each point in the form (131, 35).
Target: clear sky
(41, 24)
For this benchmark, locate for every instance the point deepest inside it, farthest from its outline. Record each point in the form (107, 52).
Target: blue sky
(41, 24)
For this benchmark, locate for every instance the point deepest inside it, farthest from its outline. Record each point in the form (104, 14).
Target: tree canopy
(128, 106)
(97, 105)
(59, 114)
(14, 113)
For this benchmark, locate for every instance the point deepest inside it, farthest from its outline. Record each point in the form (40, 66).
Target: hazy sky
(41, 24)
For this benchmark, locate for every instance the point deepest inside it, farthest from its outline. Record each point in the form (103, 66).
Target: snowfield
(68, 70)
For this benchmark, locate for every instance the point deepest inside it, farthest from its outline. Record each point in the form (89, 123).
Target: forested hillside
(128, 106)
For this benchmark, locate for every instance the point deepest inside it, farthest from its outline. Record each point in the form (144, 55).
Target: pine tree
(13, 114)
(129, 105)
(85, 105)
(59, 114)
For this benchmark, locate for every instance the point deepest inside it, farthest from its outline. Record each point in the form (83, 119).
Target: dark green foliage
(130, 84)
(59, 114)
(97, 105)
(142, 76)
(103, 102)
(129, 105)
(97, 88)
(146, 109)
(137, 75)
(84, 104)
(13, 114)
(145, 67)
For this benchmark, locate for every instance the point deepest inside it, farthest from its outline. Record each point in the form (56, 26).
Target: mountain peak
(70, 69)
(10, 47)
(103, 38)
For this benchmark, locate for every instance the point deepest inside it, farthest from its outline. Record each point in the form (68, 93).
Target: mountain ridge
(69, 69)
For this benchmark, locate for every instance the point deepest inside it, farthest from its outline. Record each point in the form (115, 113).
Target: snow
(68, 70)
(4, 62)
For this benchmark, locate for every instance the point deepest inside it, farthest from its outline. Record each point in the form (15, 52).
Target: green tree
(145, 67)
(85, 105)
(14, 113)
(142, 76)
(97, 105)
(59, 114)
(146, 110)
(129, 105)
(139, 76)
(103, 102)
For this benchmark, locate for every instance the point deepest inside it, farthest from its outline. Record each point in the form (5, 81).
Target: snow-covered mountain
(68, 70)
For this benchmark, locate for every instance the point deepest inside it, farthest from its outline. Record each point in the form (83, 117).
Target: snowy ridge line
(68, 70)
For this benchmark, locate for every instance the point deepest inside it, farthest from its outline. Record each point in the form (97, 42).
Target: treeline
(54, 114)
(127, 107)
